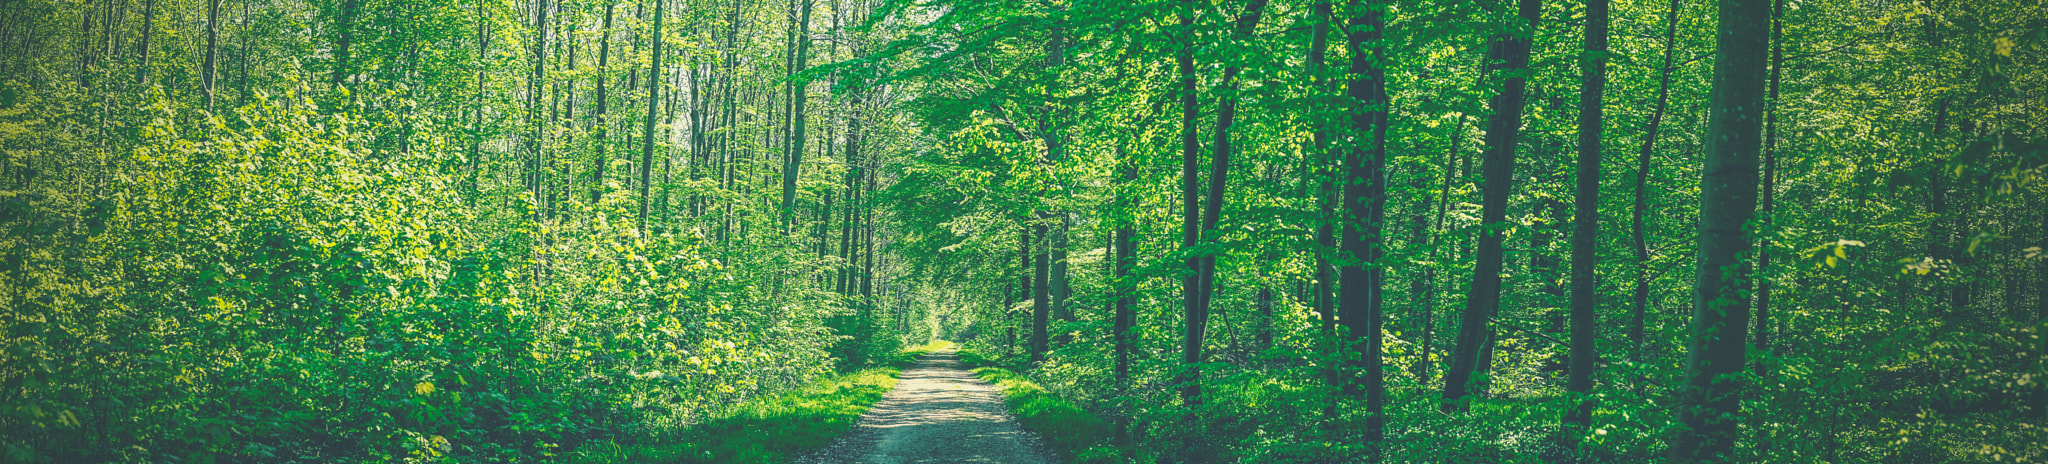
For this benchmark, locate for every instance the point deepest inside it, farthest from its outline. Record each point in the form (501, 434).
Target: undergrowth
(1069, 430)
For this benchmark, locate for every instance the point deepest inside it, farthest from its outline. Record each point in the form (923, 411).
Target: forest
(1244, 231)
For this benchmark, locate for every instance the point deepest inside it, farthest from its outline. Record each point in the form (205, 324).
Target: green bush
(268, 285)
(777, 428)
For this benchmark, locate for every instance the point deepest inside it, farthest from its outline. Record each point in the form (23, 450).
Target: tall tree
(343, 48)
(1362, 247)
(1191, 208)
(1640, 300)
(653, 96)
(1204, 263)
(1326, 192)
(601, 147)
(1475, 334)
(1586, 228)
(1040, 291)
(794, 169)
(149, 40)
(1126, 249)
(1055, 154)
(1770, 189)
(212, 48)
(1708, 401)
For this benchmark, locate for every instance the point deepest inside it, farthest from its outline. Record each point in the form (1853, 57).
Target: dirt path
(939, 413)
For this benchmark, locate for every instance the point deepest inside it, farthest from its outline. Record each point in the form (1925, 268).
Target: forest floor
(939, 413)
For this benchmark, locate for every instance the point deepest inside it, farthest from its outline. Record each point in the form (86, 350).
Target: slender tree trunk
(1265, 332)
(1429, 294)
(792, 171)
(1124, 286)
(1061, 287)
(1546, 266)
(342, 57)
(1362, 277)
(1586, 230)
(1708, 402)
(1475, 335)
(1191, 225)
(602, 116)
(476, 130)
(845, 274)
(212, 50)
(1769, 192)
(1009, 327)
(536, 87)
(867, 280)
(1204, 279)
(149, 37)
(1024, 273)
(2041, 318)
(243, 99)
(653, 96)
(85, 52)
(1055, 148)
(1041, 304)
(1641, 297)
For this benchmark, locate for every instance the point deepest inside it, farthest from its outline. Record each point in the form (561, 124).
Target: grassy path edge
(774, 428)
(1069, 430)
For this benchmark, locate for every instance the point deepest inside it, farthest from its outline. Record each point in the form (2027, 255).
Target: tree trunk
(1124, 286)
(1190, 224)
(342, 57)
(1062, 289)
(794, 169)
(149, 37)
(1475, 335)
(536, 87)
(1709, 400)
(653, 96)
(2040, 318)
(476, 129)
(1769, 193)
(1641, 296)
(1204, 281)
(1362, 271)
(1586, 230)
(1041, 307)
(212, 50)
(1055, 148)
(1326, 201)
(243, 98)
(1547, 267)
(1443, 206)
(1265, 332)
(602, 115)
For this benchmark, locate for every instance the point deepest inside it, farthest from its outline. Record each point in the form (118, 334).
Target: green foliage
(274, 291)
(1066, 428)
(429, 248)
(777, 428)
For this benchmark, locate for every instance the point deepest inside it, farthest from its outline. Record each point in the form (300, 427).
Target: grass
(1067, 429)
(775, 428)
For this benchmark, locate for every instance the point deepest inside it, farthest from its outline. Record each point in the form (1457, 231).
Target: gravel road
(939, 413)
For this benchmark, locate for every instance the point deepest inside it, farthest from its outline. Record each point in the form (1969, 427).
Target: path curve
(938, 413)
